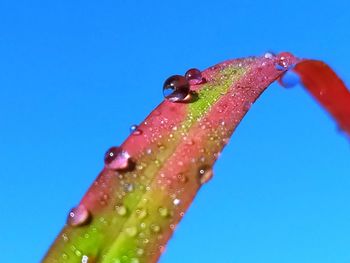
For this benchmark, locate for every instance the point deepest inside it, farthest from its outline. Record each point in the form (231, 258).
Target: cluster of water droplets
(177, 88)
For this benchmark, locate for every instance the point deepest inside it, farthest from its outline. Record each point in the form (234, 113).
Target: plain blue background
(74, 75)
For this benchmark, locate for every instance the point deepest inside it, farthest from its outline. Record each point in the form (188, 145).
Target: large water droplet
(176, 88)
(78, 216)
(194, 76)
(205, 174)
(284, 61)
(134, 130)
(289, 79)
(117, 159)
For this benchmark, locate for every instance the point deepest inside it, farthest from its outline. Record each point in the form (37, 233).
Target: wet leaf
(131, 210)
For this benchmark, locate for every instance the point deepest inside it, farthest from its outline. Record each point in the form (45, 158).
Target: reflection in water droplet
(194, 76)
(78, 216)
(176, 88)
(205, 174)
(134, 130)
(289, 79)
(117, 159)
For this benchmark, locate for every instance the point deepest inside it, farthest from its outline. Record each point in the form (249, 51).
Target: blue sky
(74, 75)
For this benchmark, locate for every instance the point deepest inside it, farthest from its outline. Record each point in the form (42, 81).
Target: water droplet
(163, 211)
(205, 174)
(194, 76)
(140, 251)
(117, 159)
(289, 79)
(65, 237)
(247, 105)
(128, 187)
(141, 213)
(182, 178)
(176, 201)
(284, 61)
(161, 249)
(134, 130)
(121, 210)
(176, 88)
(131, 231)
(78, 216)
(85, 259)
(155, 228)
(269, 55)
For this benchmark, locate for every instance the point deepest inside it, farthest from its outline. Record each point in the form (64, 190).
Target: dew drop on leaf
(155, 228)
(117, 159)
(121, 210)
(176, 88)
(131, 231)
(284, 61)
(194, 76)
(176, 201)
(134, 130)
(78, 216)
(163, 211)
(205, 174)
(269, 55)
(247, 105)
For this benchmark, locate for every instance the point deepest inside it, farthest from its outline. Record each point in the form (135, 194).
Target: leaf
(129, 214)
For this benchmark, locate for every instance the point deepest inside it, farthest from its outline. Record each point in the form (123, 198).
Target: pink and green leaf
(133, 212)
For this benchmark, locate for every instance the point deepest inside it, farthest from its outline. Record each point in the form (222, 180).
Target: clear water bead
(78, 216)
(284, 61)
(176, 88)
(116, 159)
(269, 55)
(194, 76)
(205, 174)
(134, 130)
